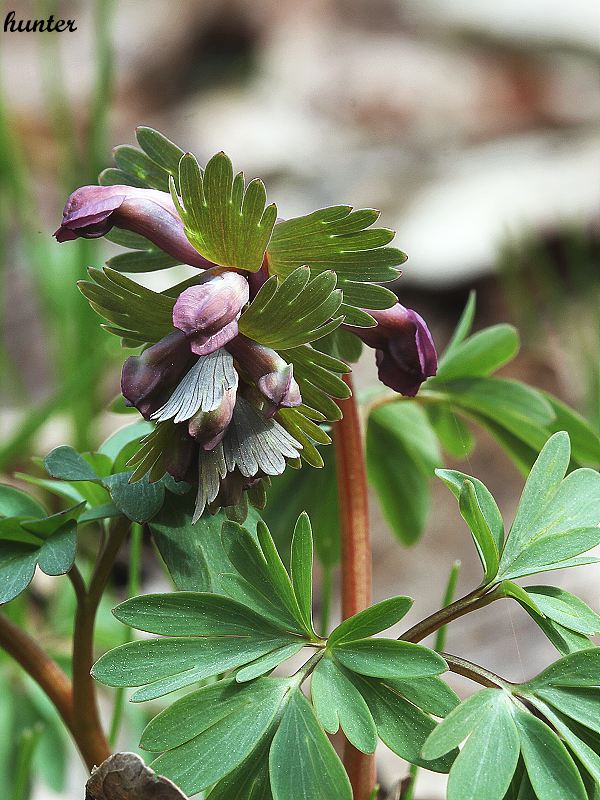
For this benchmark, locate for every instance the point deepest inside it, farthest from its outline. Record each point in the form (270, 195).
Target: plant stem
(407, 791)
(356, 554)
(89, 733)
(39, 666)
(306, 669)
(98, 130)
(470, 602)
(440, 639)
(474, 672)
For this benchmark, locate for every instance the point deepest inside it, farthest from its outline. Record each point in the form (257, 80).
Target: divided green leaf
(372, 620)
(206, 634)
(479, 355)
(135, 313)
(338, 703)
(558, 516)
(302, 761)
(48, 542)
(341, 240)
(293, 311)
(224, 220)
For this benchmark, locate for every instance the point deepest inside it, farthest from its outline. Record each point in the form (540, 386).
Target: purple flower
(208, 428)
(405, 352)
(92, 211)
(208, 312)
(274, 377)
(214, 394)
(146, 378)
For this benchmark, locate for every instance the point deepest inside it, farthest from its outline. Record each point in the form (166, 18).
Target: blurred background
(473, 125)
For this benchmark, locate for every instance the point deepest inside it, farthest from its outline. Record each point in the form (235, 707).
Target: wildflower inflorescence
(239, 366)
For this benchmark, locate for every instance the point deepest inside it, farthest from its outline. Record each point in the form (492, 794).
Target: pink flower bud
(208, 312)
(92, 211)
(273, 376)
(208, 428)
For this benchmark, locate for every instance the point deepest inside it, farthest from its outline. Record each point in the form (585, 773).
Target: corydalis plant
(236, 367)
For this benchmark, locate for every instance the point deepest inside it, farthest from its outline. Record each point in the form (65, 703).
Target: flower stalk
(356, 555)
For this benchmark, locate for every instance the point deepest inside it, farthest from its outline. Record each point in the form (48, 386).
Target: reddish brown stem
(40, 667)
(356, 555)
(89, 732)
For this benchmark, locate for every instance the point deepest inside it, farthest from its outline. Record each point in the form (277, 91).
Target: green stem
(409, 783)
(63, 121)
(98, 133)
(133, 589)
(302, 674)
(22, 771)
(440, 639)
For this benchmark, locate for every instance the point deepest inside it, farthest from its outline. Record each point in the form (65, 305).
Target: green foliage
(302, 761)
(557, 518)
(318, 376)
(519, 417)
(338, 703)
(555, 750)
(481, 354)
(400, 721)
(482, 534)
(402, 454)
(372, 620)
(389, 658)
(138, 500)
(313, 492)
(293, 311)
(341, 240)
(226, 222)
(261, 617)
(556, 521)
(142, 255)
(137, 314)
(486, 764)
(29, 537)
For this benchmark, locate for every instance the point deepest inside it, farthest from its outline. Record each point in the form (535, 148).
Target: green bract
(226, 222)
(229, 225)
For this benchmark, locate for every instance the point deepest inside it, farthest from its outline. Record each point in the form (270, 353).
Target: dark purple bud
(92, 211)
(208, 312)
(405, 352)
(273, 376)
(232, 487)
(208, 428)
(146, 378)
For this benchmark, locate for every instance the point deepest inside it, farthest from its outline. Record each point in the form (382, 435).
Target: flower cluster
(213, 392)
